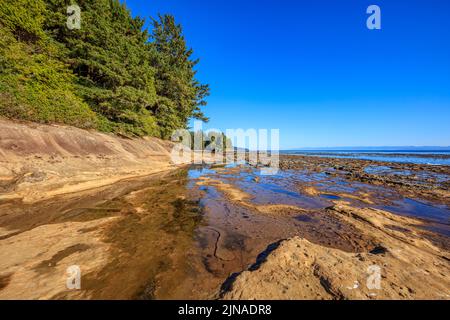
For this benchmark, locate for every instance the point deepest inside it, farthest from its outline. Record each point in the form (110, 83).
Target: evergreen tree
(35, 83)
(110, 57)
(180, 95)
(111, 74)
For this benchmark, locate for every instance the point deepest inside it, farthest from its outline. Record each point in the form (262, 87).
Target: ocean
(430, 157)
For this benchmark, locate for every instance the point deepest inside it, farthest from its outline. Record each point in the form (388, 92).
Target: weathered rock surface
(410, 267)
(40, 161)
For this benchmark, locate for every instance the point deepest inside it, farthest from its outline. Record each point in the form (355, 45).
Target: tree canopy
(112, 74)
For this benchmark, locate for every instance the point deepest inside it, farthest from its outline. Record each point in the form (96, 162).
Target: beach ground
(321, 228)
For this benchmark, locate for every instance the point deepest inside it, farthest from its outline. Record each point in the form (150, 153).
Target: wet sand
(208, 233)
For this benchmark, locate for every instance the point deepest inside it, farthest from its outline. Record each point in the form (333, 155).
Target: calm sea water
(399, 156)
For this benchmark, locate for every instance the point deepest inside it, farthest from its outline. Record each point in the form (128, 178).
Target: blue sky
(313, 70)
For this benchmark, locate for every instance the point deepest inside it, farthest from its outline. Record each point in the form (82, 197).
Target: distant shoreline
(388, 153)
(397, 156)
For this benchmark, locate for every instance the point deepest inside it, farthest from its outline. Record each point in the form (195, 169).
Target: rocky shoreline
(140, 227)
(38, 161)
(427, 181)
(409, 266)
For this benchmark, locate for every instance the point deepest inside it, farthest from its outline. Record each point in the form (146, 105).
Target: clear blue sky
(313, 70)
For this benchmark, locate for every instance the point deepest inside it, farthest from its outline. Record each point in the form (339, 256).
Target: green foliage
(111, 74)
(201, 140)
(175, 82)
(35, 84)
(24, 18)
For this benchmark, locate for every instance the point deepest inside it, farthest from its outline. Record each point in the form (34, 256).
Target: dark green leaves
(112, 73)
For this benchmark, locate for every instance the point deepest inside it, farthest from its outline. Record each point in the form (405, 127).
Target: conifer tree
(112, 73)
